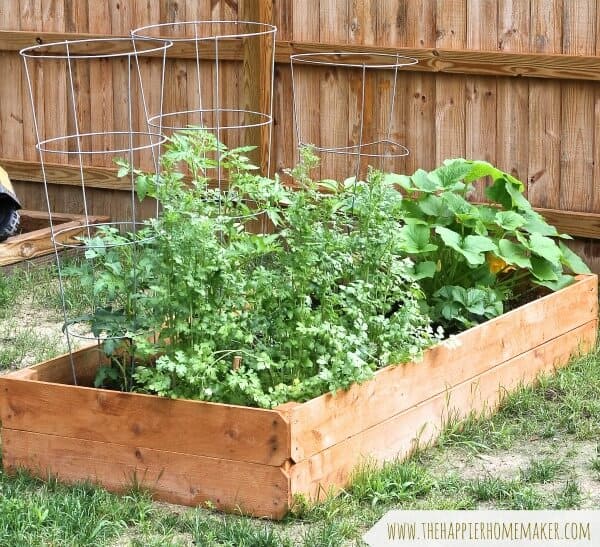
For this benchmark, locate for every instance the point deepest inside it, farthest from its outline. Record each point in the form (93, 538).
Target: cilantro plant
(473, 259)
(316, 302)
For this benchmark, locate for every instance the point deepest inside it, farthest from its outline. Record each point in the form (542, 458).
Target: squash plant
(473, 259)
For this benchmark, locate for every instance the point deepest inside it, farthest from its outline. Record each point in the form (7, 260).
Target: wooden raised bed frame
(254, 460)
(36, 237)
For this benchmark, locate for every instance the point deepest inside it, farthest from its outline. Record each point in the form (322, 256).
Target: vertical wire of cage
(235, 105)
(101, 113)
(373, 140)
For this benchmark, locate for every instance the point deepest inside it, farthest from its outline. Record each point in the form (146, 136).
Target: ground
(541, 450)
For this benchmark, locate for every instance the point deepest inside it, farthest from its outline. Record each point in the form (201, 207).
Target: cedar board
(255, 460)
(36, 239)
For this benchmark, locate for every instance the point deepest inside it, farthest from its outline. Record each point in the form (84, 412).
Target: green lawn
(540, 451)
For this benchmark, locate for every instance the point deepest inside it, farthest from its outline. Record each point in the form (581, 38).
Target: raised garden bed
(35, 239)
(254, 460)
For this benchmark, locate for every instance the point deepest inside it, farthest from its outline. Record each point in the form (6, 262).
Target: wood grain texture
(481, 91)
(329, 419)
(11, 116)
(543, 181)
(184, 479)
(38, 242)
(420, 425)
(577, 123)
(513, 96)
(214, 430)
(257, 76)
(544, 130)
(432, 59)
(450, 91)
(334, 94)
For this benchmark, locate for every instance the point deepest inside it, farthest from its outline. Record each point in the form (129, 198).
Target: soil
(508, 464)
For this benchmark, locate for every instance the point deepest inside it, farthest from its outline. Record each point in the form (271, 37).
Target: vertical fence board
(577, 129)
(513, 95)
(31, 14)
(480, 107)
(334, 86)
(306, 27)
(416, 28)
(450, 90)
(11, 119)
(543, 179)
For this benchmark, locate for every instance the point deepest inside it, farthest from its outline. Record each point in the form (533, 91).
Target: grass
(563, 411)
(543, 470)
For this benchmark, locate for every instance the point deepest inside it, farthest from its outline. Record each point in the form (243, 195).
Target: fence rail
(514, 82)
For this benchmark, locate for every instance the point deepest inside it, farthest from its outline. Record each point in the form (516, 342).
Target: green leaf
(422, 181)
(141, 187)
(509, 220)
(451, 174)
(472, 247)
(403, 181)
(572, 261)
(458, 205)
(497, 192)
(480, 169)
(516, 194)
(562, 282)
(487, 214)
(536, 224)
(514, 253)
(415, 239)
(425, 269)
(329, 185)
(451, 238)
(435, 206)
(542, 269)
(545, 247)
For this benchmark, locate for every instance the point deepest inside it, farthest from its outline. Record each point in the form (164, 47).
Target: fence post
(257, 78)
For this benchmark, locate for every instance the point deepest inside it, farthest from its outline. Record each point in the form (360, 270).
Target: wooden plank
(187, 479)
(96, 177)
(481, 91)
(573, 223)
(577, 128)
(31, 11)
(257, 76)
(39, 242)
(361, 27)
(449, 90)
(306, 27)
(513, 95)
(420, 425)
(543, 180)
(11, 119)
(58, 370)
(432, 59)
(36, 220)
(55, 91)
(79, 118)
(416, 27)
(329, 419)
(334, 106)
(192, 427)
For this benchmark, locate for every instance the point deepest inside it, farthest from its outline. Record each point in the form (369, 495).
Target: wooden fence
(515, 82)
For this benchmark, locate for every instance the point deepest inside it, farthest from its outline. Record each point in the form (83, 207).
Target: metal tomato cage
(379, 150)
(79, 69)
(208, 46)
